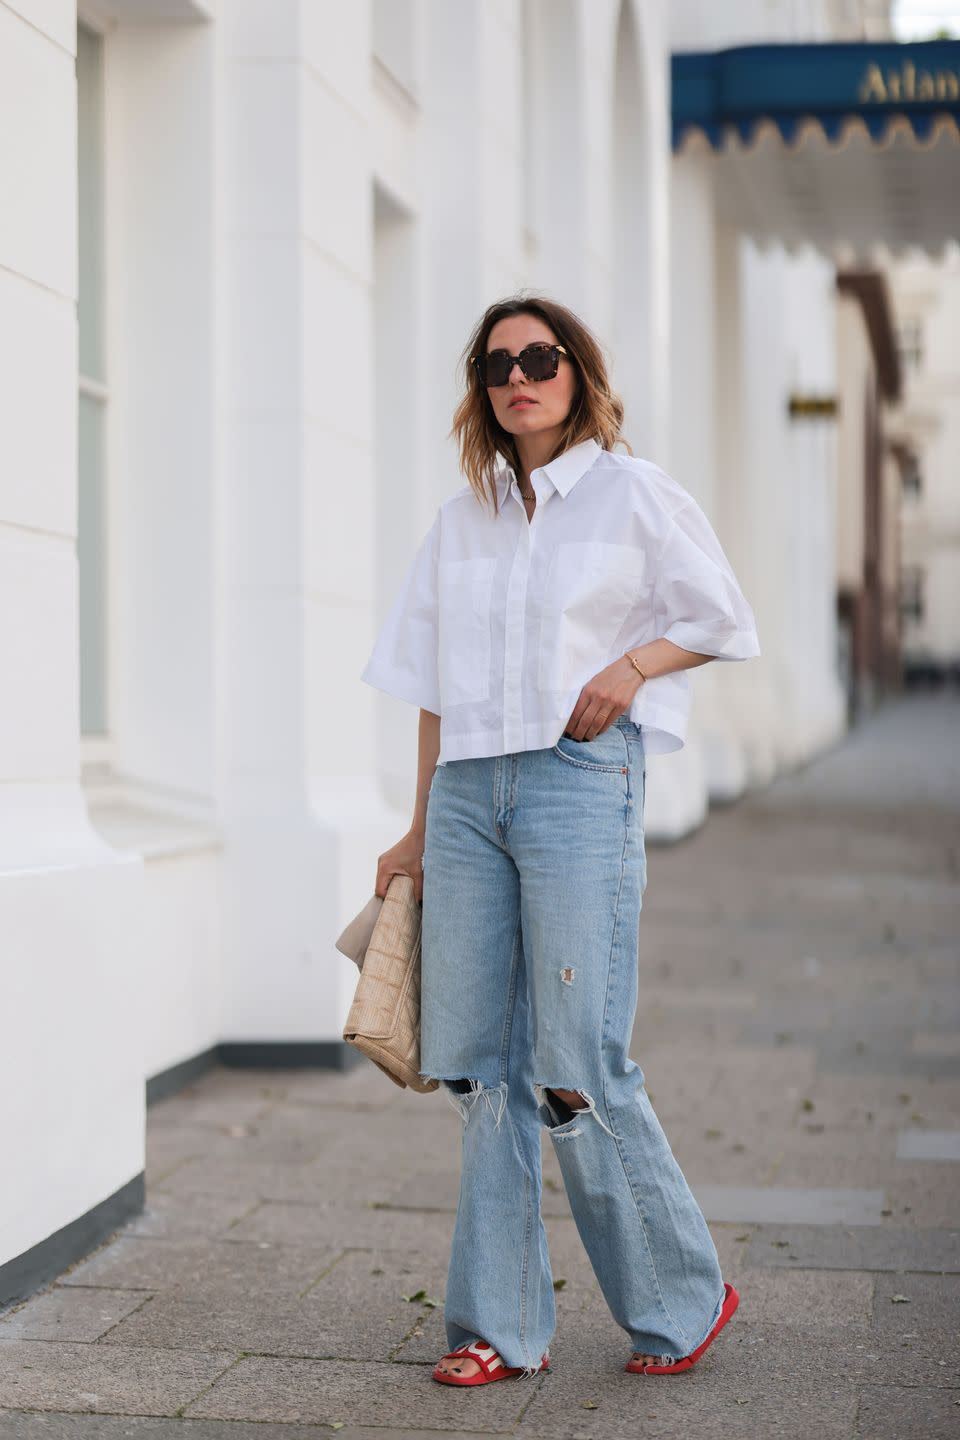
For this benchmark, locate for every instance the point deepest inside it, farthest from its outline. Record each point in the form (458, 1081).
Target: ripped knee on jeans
(565, 1105)
(463, 1094)
(570, 1099)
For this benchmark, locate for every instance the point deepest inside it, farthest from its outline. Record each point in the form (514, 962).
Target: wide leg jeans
(533, 879)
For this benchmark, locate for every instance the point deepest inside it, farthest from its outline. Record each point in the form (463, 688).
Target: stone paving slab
(710, 1000)
(895, 1412)
(69, 1312)
(697, 1105)
(167, 1150)
(753, 1381)
(703, 1110)
(719, 1158)
(811, 1298)
(811, 1158)
(50, 1425)
(804, 1409)
(167, 1216)
(355, 1161)
(322, 1126)
(265, 1147)
(890, 1103)
(439, 1190)
(210, 1266)
(778, 1204)
(317, 1183)
(821, 1169)
(356, 1310)
(925, 1359)
(750, 1348)
(861, 1248)
(361, 1393)
(932, 1304)
(60, 1375)
(213, 1103)
(213, 1176)
(825, 1410)
(937, 1042)
(855, 1051)
(928, 1145)
(925, 1202)
(365, 1090)
(365, 1226)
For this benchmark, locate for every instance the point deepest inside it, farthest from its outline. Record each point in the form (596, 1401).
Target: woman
(544, 628)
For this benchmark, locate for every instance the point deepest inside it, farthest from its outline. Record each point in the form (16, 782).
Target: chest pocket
(465, 589)
(589, 590)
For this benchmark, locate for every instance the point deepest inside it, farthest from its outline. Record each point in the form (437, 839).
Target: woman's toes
(464, 1368)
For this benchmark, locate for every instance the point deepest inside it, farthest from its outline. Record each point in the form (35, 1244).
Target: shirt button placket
(514, 632)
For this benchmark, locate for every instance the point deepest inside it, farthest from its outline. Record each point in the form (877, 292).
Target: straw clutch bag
(384, 1019)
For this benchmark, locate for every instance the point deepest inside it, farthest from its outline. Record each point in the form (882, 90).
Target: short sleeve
(403, 661)
(697, 592)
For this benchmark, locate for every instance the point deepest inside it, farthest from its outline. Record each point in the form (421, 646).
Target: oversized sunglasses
(538, 362)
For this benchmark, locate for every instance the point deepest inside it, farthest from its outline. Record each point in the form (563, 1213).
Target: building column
(679, 794)
(300, 814)
(745, 692)
(70, 1068)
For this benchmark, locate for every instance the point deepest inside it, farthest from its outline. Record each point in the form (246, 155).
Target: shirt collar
(563, 472)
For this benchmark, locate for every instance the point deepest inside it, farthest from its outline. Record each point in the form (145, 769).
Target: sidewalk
(798, 1027)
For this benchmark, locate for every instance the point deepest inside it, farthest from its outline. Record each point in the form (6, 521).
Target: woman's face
(522, 406)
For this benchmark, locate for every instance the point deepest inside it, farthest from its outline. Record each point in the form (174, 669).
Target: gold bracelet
(636, 666)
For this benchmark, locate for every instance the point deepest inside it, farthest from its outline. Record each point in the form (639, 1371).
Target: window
(93, 396)
(911, 592)
(911, 476)
(910, 344)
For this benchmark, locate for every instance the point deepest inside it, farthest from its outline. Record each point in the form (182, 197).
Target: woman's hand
(405, 858)
(605, 696)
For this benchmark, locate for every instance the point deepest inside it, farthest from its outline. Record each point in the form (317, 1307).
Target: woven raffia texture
(384, 1019)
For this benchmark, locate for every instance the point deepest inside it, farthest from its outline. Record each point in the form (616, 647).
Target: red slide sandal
(730, 1303)
(491, 1365)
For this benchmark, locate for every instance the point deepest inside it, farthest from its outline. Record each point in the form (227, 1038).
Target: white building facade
(241, 247)
(928, 421)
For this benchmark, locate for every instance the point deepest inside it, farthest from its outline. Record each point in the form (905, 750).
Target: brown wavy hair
(595, 412)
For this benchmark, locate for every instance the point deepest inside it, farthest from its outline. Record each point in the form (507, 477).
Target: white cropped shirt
(500, 621)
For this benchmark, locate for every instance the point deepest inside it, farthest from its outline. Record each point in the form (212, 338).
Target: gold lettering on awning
(908, 83)
(873, 87)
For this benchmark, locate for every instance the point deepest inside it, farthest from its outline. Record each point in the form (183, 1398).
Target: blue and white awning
(848, 147)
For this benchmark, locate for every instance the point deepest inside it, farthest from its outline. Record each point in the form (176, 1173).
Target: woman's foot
(478, 1367)
(460, 1365)
(643, 1364)
(640, 1357)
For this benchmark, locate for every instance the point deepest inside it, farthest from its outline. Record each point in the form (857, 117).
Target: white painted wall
(928, 292)
(856, 368)
(71, 1080)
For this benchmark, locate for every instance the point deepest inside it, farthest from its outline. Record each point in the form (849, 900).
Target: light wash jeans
(534, 869)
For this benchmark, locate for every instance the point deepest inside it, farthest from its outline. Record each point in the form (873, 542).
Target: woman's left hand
(605, 696)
